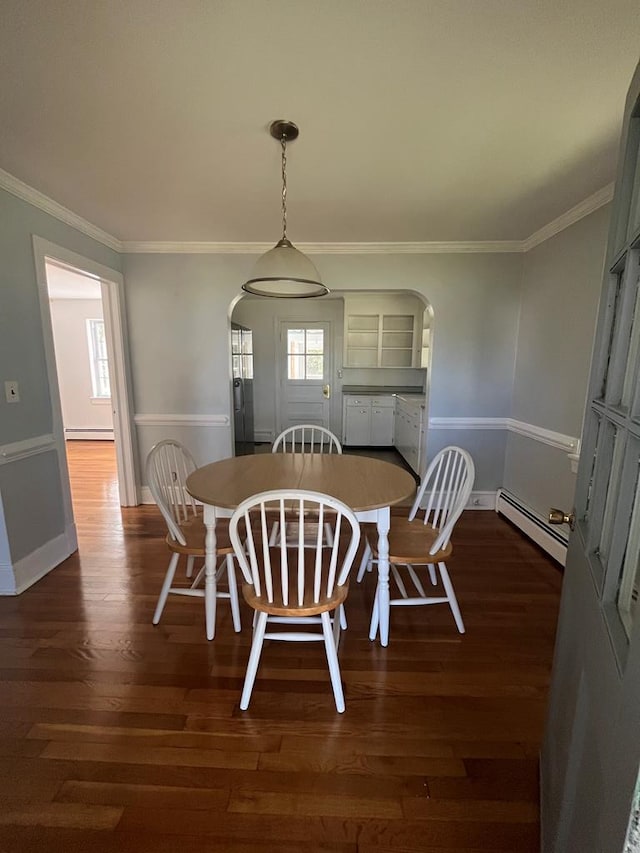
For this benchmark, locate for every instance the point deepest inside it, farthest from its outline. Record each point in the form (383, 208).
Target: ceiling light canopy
(284, 272)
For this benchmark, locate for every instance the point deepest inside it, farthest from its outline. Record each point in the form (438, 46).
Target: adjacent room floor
(116, 735)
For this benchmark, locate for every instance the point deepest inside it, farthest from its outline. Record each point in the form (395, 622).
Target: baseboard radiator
(95, 433)
(551, 539)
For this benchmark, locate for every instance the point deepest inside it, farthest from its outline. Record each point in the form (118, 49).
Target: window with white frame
(305, 354)
(98, 359)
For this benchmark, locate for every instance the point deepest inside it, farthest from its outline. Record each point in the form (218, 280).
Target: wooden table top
(360, 482)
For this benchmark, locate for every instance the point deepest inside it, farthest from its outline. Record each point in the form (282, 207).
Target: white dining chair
(167, 468)
(426, 541)
(303, 438)
(306, 438)
(290, 583)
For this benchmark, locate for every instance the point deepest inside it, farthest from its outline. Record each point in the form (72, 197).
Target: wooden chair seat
(194, 532)
(410, 542)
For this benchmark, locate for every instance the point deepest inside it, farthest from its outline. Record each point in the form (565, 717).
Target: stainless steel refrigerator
(242, 359)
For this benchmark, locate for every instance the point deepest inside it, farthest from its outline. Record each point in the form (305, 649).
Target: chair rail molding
(16, 450)
(569, 443)
(182, 420)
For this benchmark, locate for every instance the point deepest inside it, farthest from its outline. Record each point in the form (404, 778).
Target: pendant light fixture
(284, 272)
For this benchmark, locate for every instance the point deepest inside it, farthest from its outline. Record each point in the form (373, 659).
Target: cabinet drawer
(357, 401)
(383, 402)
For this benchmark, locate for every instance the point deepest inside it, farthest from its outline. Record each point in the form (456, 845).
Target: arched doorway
(392, 355)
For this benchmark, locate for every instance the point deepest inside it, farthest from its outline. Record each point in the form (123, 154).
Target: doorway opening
(84, 383)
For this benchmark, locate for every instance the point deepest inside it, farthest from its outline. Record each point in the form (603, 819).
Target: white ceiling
(421, 120)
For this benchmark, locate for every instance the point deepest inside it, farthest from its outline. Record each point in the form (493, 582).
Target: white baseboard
(481, 500)
(145, 495)
(15, 578)
(550, 539)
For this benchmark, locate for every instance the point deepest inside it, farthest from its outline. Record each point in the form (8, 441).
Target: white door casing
(112, 300)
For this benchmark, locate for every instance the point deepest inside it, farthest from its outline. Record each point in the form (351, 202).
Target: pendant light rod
(284, 131)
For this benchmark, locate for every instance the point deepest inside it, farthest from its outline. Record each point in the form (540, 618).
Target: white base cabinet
(409, 431)
(368, 421)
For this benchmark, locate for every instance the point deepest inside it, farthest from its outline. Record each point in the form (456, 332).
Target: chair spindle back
(167, 468)
(448, 481)
(281, 572)
(306, 438)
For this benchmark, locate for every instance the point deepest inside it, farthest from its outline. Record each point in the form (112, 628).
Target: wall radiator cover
(551, 539)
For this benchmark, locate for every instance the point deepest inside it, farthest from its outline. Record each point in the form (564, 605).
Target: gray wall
(21, 341)
(30, 487)
(561, 285)
(178, 307)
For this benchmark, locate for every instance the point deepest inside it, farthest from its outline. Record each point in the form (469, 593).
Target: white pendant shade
(286, 273)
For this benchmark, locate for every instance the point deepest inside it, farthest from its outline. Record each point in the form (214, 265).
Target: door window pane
(613, 304)
(632, 357)
(305, 354)
(296, 367)
(627, 594)
(315, 341)
(591, 449)
(315, 367)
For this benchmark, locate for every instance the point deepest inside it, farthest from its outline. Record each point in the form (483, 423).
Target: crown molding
(570, 217)
(462, 247)
(23, 191)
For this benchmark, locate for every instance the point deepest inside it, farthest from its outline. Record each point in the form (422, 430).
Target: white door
(591, 752)
(304, 371)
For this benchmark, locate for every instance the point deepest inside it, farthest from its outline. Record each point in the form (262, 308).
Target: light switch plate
(12, 391)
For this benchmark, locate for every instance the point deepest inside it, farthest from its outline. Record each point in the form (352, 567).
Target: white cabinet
(357, 423)
(382, 425)
(409, 431)
(383, 332)
(368, 420)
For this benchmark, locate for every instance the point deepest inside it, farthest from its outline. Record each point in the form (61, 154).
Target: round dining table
(370, 487)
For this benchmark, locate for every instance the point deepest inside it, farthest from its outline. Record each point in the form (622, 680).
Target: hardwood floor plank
(364, 744)
(143, 796)
(138, 737)
(312, 805)
(422, 808)
(75, 815)
(401, 765)
(151, 755)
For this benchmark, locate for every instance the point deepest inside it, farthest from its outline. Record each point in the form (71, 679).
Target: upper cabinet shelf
(386, 338)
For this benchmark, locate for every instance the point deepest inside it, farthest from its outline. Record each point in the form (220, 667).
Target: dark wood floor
(119, 736)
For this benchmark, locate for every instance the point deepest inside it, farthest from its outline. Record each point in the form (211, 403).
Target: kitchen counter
(402, 390)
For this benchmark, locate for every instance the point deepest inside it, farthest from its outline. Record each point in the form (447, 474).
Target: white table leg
(383, 522)
(210, 570)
